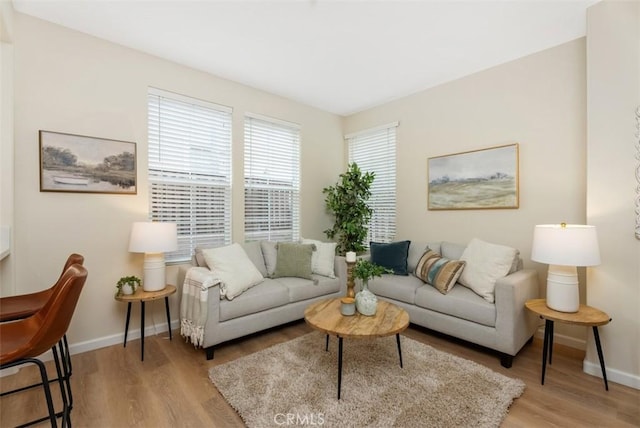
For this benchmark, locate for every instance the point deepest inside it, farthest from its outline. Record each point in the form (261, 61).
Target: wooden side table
(145, 296)
(586, 315)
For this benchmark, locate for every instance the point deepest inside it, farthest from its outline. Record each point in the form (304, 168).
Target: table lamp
(563, 247)
(153, 239)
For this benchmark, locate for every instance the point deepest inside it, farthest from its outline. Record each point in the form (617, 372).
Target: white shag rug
(295, 384)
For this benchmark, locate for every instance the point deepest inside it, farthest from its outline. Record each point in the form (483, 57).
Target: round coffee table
(325, 316)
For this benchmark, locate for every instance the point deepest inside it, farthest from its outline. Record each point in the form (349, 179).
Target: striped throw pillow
(438, 271)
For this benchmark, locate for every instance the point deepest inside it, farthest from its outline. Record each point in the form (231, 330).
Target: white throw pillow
(322, 259)
(233, 267)
(486, 263)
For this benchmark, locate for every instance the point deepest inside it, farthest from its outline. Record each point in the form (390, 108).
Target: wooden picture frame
(81, 164)
(478, 179)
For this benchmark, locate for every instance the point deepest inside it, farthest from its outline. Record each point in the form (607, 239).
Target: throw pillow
(486, 263)
(293, 260)
(270, 254)
(438, 271)
(392, 256)
(233, 267)
(322, 260)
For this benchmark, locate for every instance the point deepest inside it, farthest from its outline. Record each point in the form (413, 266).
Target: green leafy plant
(347, 201)
(365, 270)
(134, 281)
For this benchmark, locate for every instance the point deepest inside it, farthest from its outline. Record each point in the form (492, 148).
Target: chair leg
(66, 411)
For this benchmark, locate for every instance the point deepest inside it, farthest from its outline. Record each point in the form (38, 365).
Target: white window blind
(271, 179)
(374, 150)
(190, 170)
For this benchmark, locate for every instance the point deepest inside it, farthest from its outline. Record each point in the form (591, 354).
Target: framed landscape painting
(75, 163)
(479, 179)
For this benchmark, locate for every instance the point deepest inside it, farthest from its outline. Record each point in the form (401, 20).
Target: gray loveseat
(504, 326)
(271, 303)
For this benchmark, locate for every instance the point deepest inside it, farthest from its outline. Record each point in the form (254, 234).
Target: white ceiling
(339, 56)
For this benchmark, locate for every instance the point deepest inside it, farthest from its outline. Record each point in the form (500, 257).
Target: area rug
(295, 383)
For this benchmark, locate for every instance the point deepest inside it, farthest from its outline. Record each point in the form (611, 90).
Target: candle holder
(350, 282)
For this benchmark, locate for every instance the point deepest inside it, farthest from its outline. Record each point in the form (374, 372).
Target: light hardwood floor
(113, 388)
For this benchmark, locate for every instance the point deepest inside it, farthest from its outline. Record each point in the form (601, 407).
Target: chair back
(73, 259)
(55, 316)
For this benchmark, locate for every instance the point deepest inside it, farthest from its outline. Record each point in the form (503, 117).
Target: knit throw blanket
(193, 307)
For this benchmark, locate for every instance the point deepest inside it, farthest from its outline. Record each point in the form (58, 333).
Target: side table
(145, 296)
(586, 315)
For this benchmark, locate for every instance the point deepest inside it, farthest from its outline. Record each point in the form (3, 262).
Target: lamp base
(562, 289)
(154, 272)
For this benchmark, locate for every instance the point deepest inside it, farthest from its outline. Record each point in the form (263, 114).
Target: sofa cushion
(402, 288)
(460, 302)
(270, 255)
(486, 263)
(392, 256)
(294, 260)
(303, 289)
(254, 252)
(234, 269)
(439, 271)
(266, 295)
(323, 258)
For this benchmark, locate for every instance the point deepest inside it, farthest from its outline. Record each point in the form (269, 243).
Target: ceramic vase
(127, 289)
(366, 301)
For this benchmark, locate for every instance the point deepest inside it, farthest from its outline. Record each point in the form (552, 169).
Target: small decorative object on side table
(586, 315)
(144, 296)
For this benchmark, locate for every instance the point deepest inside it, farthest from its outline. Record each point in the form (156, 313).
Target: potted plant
(347, 201)
(366, 301)
(127, 285)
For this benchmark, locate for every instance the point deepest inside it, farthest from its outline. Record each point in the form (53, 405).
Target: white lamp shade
(153, 237)
(565, 245)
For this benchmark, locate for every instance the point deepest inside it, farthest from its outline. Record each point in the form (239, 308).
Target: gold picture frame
(81, 164)
(478, 179)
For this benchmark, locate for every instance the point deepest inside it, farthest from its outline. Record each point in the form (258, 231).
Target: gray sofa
(271, 303)
(504, 326)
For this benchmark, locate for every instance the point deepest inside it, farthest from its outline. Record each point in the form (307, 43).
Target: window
(374, 150)
(190, 170)
(271, 179)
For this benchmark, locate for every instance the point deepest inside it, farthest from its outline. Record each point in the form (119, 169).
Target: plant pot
(366, 301)
(127, 289)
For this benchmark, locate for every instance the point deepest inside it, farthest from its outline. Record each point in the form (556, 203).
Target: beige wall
(613, 94)
(539, 102)
(66, 81)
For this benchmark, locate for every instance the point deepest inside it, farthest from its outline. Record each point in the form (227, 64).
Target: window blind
(374, 150)
(190, 170)
(271, 179)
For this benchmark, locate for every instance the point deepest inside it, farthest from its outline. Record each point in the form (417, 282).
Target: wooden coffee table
(325, 316)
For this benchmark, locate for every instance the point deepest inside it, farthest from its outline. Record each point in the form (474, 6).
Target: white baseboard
(103, 342)
(569, 341)
(613, 375)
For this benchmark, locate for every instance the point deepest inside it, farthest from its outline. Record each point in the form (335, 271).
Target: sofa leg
(506, 361)
(530, 341)
(209, 352)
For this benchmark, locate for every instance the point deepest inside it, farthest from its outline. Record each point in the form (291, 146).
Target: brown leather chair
(24, 305)
(23, 340)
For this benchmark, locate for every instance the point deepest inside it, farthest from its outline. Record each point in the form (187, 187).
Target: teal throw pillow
(293, 260)
(392, 256)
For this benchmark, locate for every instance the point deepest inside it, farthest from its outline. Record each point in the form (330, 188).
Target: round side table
(586, 315)
(145, 296)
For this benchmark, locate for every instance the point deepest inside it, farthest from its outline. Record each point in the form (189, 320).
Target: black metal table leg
(596, 336)
(326, 345)
(166, 304)
(551, 342)
(126, 325)
(547, 341)
(339, 365)
(399, 348)
(142, 330)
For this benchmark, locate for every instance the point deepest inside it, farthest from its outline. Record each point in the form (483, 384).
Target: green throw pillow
(294, 260)
(392, 256)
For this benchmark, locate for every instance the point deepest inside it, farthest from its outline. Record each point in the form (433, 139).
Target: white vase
(366, 301)
(127, 289)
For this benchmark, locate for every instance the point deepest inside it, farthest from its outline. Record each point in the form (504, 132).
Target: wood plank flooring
(113, 388)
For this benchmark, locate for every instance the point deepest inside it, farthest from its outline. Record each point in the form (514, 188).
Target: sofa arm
(514, 323)
(340, 268)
